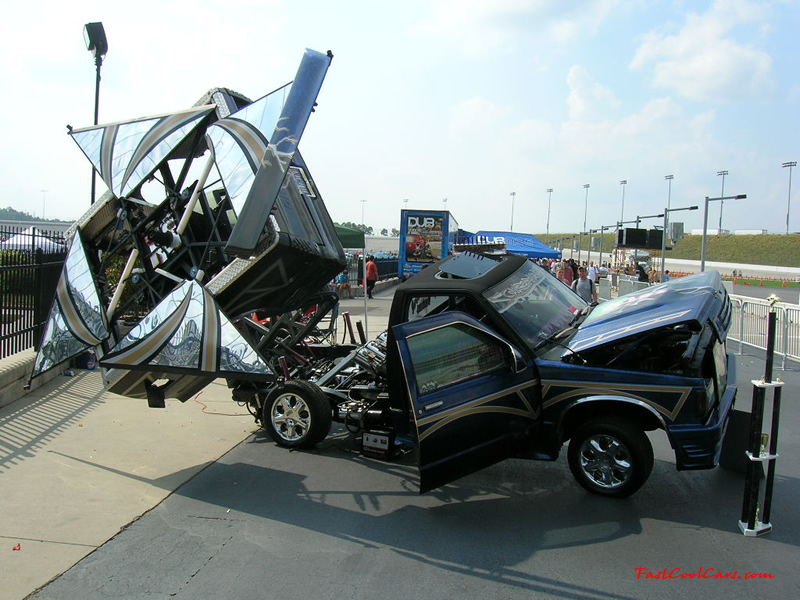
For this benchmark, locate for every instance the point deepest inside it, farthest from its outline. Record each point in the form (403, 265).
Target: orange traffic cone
(784, 284)
(762, 283)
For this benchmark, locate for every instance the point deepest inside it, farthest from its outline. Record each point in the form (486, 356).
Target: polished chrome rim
(290, 417)
(606, 461)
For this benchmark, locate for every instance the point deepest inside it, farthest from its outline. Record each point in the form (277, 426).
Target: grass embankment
(779, 250)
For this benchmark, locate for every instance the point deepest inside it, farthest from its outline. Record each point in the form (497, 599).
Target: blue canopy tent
(524, 244)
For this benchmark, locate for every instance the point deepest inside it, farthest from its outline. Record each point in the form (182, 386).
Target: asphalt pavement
(108, 499)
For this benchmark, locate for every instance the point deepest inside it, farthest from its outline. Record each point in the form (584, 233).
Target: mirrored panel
(155, 318)
(183, 350)
(236, 354)
(82, 290)
(58, 343)
(240, 143)
(126, 153)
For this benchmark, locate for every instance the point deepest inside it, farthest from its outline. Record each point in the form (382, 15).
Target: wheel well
(585, 411)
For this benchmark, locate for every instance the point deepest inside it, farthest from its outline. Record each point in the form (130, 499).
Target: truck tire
(611, 457)
(297, 414)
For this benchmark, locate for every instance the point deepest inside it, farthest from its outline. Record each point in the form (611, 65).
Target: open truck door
(474, 397)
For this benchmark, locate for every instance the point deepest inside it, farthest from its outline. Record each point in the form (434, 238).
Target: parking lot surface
(266, 522)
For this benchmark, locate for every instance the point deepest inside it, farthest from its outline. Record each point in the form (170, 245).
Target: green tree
(11, 214)
(360, 226)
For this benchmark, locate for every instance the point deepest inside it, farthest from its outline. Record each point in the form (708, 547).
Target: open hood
(693, 299)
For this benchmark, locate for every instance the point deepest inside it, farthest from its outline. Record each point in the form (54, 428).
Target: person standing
(371, 275)
(567, 275)
(585, 287)
(593, 274)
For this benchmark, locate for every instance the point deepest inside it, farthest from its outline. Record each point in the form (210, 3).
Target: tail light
(706, 399)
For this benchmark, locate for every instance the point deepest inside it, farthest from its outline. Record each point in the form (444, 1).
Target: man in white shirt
(593, 274)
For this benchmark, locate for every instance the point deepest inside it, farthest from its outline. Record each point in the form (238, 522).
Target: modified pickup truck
(489, 357)
(209, 255)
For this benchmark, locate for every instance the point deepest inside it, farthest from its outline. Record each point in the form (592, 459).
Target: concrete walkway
(79, 464)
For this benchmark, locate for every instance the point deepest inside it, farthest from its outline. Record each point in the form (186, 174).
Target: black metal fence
(31, 261)
(387, 268)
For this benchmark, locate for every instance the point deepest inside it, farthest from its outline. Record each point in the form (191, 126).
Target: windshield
(535, 303)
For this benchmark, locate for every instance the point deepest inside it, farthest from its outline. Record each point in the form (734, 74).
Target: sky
(473, 106)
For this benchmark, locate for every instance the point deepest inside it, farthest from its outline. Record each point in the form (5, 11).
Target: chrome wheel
(290, 417)
(297, 414)
(610, 456)
(606, 461)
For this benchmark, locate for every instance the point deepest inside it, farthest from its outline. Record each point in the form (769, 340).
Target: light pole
(669, 179)
(405, 203)
(790, 164)
(623, 183)
(602, 231)
(721, 202)
(363, 203)
(95, 37)
(549, 198)
(589, 249)
(664, 237)
(585, 212)
(513, 197)
(705, 225)
(444, 203)
(44, 200)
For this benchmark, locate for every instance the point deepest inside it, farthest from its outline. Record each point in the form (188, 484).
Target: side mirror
(519, 363)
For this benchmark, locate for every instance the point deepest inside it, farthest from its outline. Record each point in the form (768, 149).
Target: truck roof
(468, 271)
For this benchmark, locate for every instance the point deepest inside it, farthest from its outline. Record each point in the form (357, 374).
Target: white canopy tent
(31, 239)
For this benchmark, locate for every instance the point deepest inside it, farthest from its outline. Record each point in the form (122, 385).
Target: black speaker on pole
(635, 238)
(655, 238)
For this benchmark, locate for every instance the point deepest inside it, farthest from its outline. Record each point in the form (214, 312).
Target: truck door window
(454, 353)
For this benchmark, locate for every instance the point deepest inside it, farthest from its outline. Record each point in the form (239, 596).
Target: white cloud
(587, 99)
(485, 26)
(475, 117)
(703, 62)
(579, 20)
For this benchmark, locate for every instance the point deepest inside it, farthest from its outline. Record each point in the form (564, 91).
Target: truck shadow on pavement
(519, 525)
(511, 512)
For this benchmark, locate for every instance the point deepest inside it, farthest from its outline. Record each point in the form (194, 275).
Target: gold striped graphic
(249, 139)
(107, 155)
(576, 389)
(478, 406)
(160, 131)
(209, 357)
(72, 316)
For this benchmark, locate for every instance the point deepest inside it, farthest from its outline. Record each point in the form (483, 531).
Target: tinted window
(450, 354)
(534, 303)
